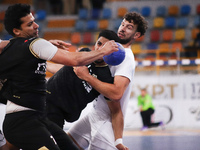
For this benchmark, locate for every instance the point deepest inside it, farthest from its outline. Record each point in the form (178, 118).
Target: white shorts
(94, 132)
(2, 139)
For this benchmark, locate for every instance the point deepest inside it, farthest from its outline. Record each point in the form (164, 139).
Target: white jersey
(2, 139)
(95, 129)
(126, 69)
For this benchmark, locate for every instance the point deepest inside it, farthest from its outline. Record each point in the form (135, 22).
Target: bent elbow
(117, 97)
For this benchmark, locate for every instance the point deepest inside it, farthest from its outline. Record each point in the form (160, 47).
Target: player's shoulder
(129, 53)
(23, 41)
(129, 58)
(36, 39)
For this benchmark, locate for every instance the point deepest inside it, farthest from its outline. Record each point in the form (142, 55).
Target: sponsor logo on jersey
(41, 69)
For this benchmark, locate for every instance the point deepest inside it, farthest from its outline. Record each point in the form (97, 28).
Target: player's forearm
(88, 57)
(107, 89)
(76, 58)
(84, 58)
(117, 118)
(118, 125)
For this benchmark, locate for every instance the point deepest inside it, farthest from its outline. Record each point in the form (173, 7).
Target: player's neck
(126, 45)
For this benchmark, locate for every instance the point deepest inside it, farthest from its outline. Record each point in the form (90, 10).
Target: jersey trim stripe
(31, 50)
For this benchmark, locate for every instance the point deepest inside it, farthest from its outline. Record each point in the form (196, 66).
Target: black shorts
(30, 130)
(55, 114)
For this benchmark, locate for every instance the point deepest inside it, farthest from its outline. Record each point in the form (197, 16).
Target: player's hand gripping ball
(115, 58)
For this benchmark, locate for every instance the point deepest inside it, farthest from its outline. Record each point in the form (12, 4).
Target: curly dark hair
(13, 16)
(137, 19)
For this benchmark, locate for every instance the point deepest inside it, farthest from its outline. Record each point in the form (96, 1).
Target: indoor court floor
(157, 139)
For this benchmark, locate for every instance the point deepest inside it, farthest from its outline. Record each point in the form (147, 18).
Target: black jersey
(25, 74)
(72, 94)
(3, 100)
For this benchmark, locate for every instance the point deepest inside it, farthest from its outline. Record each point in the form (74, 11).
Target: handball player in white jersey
(102, 128)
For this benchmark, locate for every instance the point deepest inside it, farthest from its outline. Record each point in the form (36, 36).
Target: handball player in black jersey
(68, 95)
(23, 64)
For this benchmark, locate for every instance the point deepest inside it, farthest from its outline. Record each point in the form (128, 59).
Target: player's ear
(16, 31)
(137, 35)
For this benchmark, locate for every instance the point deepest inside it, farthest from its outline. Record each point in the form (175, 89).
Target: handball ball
(115, 58)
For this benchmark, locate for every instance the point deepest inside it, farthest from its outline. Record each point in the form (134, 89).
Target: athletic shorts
(30, 130)
(94, 132)
(55, 114)
(2, 139)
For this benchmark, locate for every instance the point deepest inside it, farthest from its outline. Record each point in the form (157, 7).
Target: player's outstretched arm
(83, 58)
(58, 43)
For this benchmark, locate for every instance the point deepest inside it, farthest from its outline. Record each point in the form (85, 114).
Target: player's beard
(125, 41)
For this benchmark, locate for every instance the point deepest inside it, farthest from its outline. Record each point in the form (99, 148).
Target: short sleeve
(43, 49)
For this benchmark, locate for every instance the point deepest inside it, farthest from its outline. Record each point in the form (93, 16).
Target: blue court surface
(174, 139)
